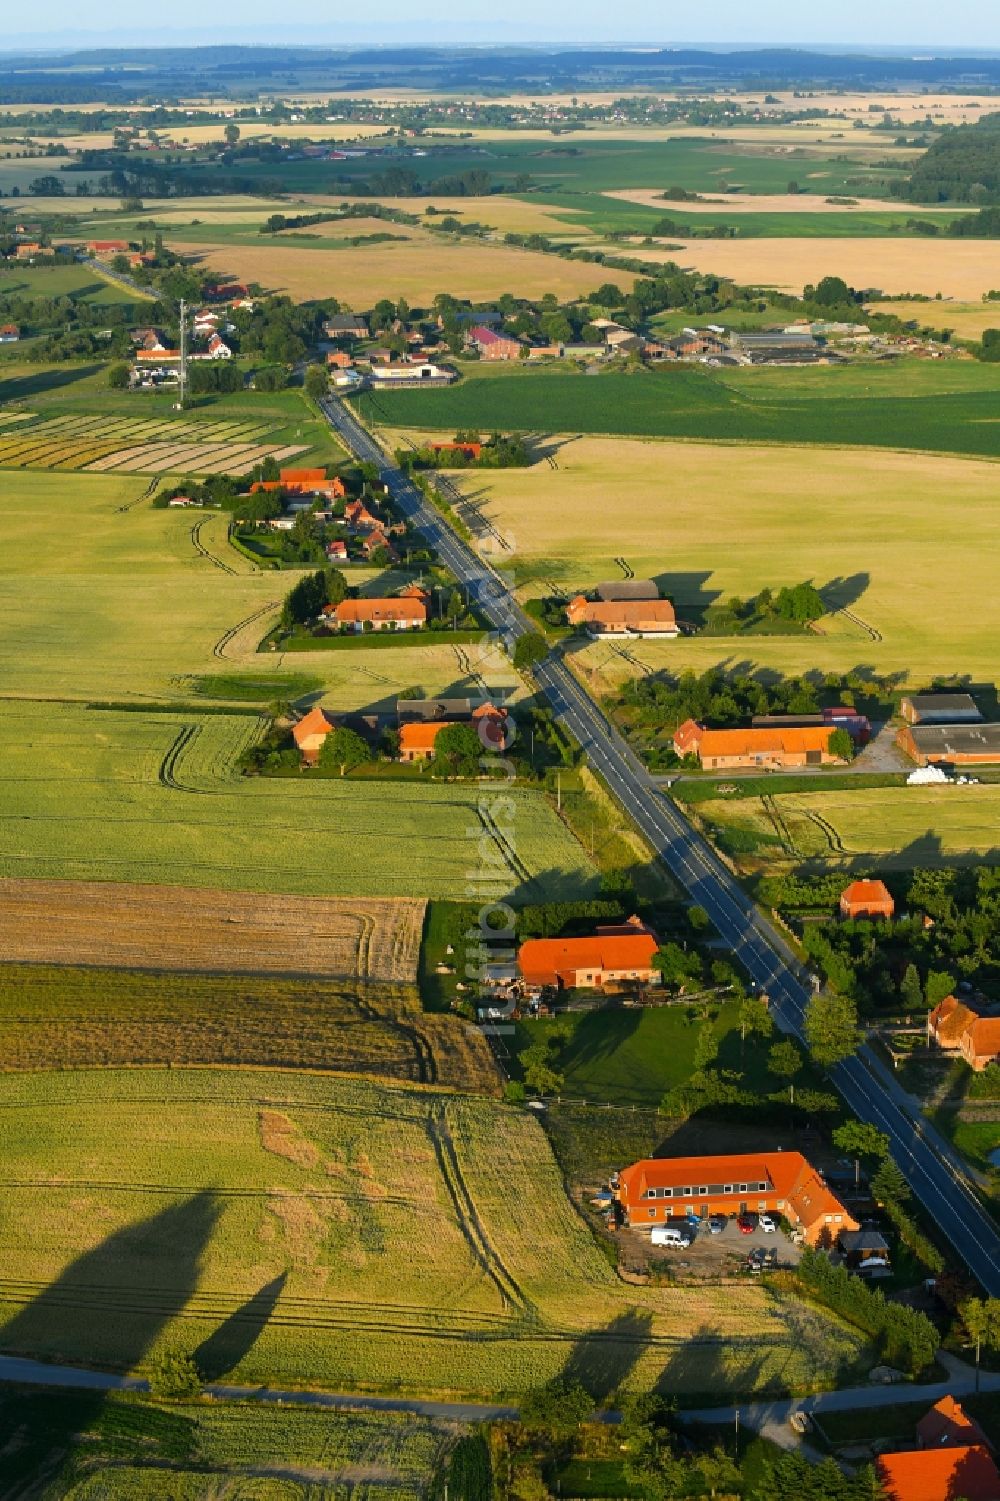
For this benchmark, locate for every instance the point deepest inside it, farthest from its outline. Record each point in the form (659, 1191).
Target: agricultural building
(416, 739)
(311, 482)
(652, 617)
(425, 710)
(966, 1471)
(665, 1188)
(940, 708)
(310, 734)
(393, 377)
(761, 749)
(858, 726)
(947, 1426)
(613, 955)
(378, 614)
(867, 899)
(108, 247)
(951, 744)
(493, 346)
(346, 326)
(615, 591)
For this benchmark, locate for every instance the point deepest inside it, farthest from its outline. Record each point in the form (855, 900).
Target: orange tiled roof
(302, 476)
(763, 741)
(950, 1019)
(313, 723)
(688, 736)
(940, 1474)
(634, 612)
(350, 611)
(948, 1424)
(543, 960)
(790, 1175)
(984, 1035)
(421, 736)
(867, 894)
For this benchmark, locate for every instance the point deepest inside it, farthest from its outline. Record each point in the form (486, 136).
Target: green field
(75, 1444)
(895, 828)
(949, 410)
(79, 282)
(108, 795)
(320, 1231)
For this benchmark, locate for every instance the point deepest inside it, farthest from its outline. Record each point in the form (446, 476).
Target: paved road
(933, 1169)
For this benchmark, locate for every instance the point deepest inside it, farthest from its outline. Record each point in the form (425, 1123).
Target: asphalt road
(932, 1168)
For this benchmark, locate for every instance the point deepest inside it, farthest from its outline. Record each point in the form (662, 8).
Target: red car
(747, 1223)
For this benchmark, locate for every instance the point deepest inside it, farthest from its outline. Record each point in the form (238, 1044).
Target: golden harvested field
(417, 270)
(896, 827)
(181, 928)
(967, 319)
(963, 269)
(713, 521)
(401, 1238)
(756, 203)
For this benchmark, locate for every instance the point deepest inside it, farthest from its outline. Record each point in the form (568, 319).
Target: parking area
(709, 1254)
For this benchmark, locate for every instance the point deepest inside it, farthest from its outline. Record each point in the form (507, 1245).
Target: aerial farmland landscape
(500, 755)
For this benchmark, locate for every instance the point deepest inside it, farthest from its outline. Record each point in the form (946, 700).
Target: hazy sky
(861, 24)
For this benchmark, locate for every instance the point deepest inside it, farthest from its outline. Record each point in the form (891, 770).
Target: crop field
(967, 320)
(156, 927)
(72, 1017)
(344, 1233)
(138, 445)
(417, 270)
(78, 282)
(897, 828)
(886, 525)
(89, 794)
(963, 269)
(950, 409)
(186, 1451)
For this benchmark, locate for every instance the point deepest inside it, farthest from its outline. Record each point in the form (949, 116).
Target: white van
(669, 1235)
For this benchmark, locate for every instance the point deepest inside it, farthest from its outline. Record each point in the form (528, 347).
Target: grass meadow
(344, 1234)
(712, 522)
(933, 408)
(89, 794)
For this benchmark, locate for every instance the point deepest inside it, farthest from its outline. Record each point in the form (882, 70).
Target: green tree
(676, 965)
(831, 1027)
(538, 1064)
(753, 1017)
(316, 381)
(911, 989)
(305, 600)
(335, 587)
(557, 1409)
(888, 1184)
(939, 985)
(458, 750)
(531, 649)
(174, 1374)
(231, 133)
(344, 748)
(118, 376)
(989, 347)
(784, 1060)
(841, 745)
(860, 1139)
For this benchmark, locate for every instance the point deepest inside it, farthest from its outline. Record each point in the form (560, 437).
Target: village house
(378, 541)
(940, 708)
(471, 451)
(867, 899)
(765, 750)
(339, 359)
(965, 1471)
(30, 250)
(627, 617)
(955, 1027)
(416, 739)
(310, 734)
(336, 551)
(346, 326)
(358, 517)
(157, 356)
(218, 349)
(493, 346)
(947, 1426)
(102, 248)
(951, 744)
(9, 333)
(303, 482)
(613, 955)
(377, 614)
(780, 1183)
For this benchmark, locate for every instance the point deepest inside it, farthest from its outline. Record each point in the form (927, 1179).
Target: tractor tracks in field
(219, 649)
(832, 839)
(506, 849)
(203, 551)
(167, 773)
(627, 572)
(870, 631)
(131, 504)
(779, 825)
(467, 1216)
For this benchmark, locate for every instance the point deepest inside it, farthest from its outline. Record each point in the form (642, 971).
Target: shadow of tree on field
(223, 1350)
(17, 387)
(603, 1361)
(103, 1311)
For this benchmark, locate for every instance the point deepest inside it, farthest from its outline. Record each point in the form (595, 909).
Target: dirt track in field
(181, 928)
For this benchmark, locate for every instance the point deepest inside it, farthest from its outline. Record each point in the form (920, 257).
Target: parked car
(800, 1421)
(717, 1224)
(670, 1235)
(747, 1223)
(768, 1224)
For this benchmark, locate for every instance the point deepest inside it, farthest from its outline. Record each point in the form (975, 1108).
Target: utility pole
(182, 381)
